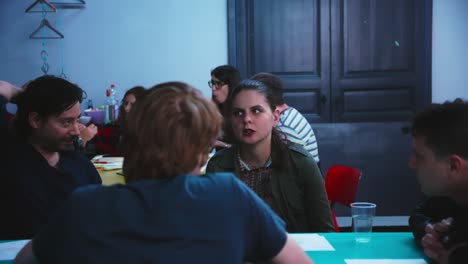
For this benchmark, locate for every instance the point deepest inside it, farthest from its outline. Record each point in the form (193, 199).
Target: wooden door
(357, 69)
(290, 39)
(378, 60)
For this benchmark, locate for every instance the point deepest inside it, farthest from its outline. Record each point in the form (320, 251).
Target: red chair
(341, 185)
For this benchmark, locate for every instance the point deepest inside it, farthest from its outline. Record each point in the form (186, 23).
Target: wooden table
(110, 177)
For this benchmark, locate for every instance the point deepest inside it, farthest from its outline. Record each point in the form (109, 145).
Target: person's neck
(256, 155)
(282, 107)
(52, 157)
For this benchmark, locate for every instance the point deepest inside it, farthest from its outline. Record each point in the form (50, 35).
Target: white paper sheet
(312, 242)
(385, 261)
(9, 250)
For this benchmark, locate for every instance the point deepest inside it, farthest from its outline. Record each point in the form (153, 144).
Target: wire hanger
(79, 4)
(51, 7)
(45, 23)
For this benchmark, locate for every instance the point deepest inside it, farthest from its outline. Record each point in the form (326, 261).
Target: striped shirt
(298, 130)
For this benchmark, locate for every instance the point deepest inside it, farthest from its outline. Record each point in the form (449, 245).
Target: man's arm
(291, 253)
(431, 210)
(26, 255)
(221, 144)
(8, 90)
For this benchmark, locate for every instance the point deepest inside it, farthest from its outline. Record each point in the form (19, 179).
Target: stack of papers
(312, 242)
(108, 163)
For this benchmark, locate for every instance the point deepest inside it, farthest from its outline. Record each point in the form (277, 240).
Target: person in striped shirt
(292, 123)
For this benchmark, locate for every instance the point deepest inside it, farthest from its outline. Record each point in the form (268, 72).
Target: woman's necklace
(252, 166)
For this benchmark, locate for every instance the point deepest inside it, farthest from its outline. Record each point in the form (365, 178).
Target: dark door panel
(310, 101)
(376, 35)
(290, 39)
(375, 60)
(306, 94)
(289, 48)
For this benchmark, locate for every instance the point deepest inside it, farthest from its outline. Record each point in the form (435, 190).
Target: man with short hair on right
(440, 160)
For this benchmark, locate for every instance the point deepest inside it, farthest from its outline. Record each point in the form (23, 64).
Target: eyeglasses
(216, 84)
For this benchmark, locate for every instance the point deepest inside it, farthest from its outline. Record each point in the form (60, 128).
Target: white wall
(127, 43)
(150, 41)
(449, 50)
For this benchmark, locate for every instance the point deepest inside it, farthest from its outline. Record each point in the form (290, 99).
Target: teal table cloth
(384, 245)
(388, 245)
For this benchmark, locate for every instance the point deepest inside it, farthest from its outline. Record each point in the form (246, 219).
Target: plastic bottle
(90, 104)
(111, 104)
(111, 92)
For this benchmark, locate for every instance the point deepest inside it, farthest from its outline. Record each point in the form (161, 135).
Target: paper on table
(108, 159)
(312, 242)
(109, 166)
(385, 261)
(107, 163)
(9, 250)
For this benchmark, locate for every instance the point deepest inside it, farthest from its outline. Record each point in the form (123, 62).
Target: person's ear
(455, 163)
(35, 121)
(276, 115)
(457, 168)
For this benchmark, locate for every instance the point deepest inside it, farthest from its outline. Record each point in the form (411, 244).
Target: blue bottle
(90, 104)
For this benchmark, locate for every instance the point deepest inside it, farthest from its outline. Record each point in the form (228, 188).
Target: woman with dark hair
(223, 79)
(110, 137)
(282, 173)
(129, 99)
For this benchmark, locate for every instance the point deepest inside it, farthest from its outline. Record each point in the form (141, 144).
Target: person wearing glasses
(223, 79)
(281, 172)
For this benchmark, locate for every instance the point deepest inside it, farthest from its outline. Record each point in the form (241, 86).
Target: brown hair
(167, 131)
(444, 128)
(274, 83)
(137, 91)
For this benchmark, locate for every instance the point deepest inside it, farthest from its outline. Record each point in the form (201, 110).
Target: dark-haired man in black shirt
(39, 165)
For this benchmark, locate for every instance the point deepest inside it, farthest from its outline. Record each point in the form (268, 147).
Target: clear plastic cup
(363, 215)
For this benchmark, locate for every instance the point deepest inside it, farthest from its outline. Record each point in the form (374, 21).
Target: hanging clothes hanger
(50, 10)
(80, 4)
(45, 24)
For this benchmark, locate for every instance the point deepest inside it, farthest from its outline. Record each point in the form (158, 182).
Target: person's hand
(9, 90)
(433, 241)
(221, 144)
(87, 133)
